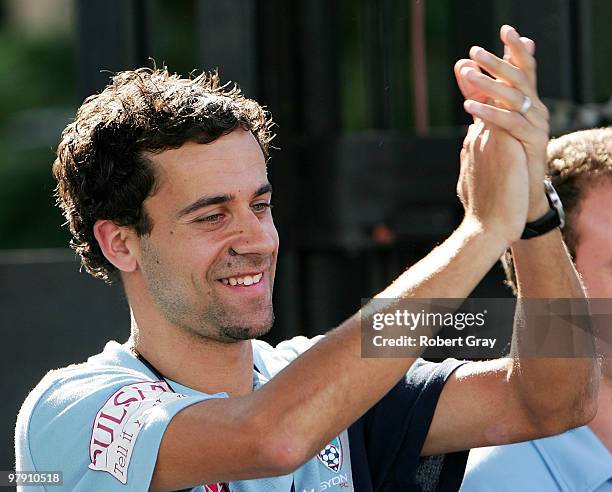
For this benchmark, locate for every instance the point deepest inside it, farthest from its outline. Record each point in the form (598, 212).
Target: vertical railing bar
(419, 66)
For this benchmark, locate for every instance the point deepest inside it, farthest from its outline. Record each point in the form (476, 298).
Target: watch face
(555, 201)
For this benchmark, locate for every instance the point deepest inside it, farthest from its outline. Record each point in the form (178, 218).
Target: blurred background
(369, 126)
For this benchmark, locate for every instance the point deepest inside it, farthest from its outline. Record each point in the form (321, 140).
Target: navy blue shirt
(386, 442)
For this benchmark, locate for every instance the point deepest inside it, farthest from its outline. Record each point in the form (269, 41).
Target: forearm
(544, 268)
(323, 406)
(559, 390)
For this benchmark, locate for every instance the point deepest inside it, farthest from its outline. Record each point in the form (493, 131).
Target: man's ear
(117, 244)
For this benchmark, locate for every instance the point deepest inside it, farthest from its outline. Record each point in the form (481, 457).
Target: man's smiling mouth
(243, 280)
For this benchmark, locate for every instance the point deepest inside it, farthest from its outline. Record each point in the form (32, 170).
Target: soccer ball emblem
(331, 455)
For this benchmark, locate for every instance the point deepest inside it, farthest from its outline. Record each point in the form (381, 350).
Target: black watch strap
(549, 221)
(555, 217)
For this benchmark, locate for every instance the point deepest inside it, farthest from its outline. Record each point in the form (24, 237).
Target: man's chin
(243, 331)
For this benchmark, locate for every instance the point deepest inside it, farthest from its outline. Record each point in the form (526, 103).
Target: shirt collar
(577, 458)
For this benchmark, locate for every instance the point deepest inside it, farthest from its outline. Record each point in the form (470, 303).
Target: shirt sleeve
(102, 429)
(395, 429)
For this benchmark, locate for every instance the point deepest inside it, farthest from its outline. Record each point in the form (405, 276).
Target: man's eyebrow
(267, 188)
(205, 201)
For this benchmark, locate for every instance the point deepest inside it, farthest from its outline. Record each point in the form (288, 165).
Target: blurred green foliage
(37, 97)
(390, 64)
(36, 72)
(178, 51)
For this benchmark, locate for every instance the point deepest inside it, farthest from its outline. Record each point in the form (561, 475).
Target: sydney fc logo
(331, 455)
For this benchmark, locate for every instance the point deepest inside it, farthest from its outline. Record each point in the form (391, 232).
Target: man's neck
(601, 425)
(205, 365)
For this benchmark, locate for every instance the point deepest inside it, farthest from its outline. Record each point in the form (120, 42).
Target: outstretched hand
(507, 101)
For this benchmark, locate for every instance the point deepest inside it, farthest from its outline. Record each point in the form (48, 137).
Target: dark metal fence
(358, 195)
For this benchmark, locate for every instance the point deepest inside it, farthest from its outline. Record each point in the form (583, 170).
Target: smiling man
(163, 183)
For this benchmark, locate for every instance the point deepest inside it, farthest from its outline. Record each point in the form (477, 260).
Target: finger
(537, 121)
(502, 69)
(519, 51)
(512, 122)
(529, 44)
(484, 96)
(504, 96)
(468, 90)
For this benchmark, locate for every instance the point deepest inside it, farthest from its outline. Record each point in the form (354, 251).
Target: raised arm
(517, 398)
(282, 425)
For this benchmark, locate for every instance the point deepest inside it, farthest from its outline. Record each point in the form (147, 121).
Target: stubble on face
(200, 314)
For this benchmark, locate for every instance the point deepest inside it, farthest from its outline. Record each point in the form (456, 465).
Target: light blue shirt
(101, 423)
(575, 461)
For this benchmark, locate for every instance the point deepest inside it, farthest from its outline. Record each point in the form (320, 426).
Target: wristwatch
(555, 217)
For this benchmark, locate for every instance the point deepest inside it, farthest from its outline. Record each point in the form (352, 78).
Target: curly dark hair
(101, 168)
(576, 161)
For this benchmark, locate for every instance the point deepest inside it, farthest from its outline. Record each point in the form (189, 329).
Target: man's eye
(210, 219)
(260, 207)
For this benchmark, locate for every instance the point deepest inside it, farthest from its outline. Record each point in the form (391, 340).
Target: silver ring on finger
(526, 106)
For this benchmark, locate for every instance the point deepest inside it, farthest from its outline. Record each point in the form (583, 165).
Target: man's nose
(254, 236)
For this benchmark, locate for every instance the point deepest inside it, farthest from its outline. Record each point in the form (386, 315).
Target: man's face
(593, 226)
(210, 260)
